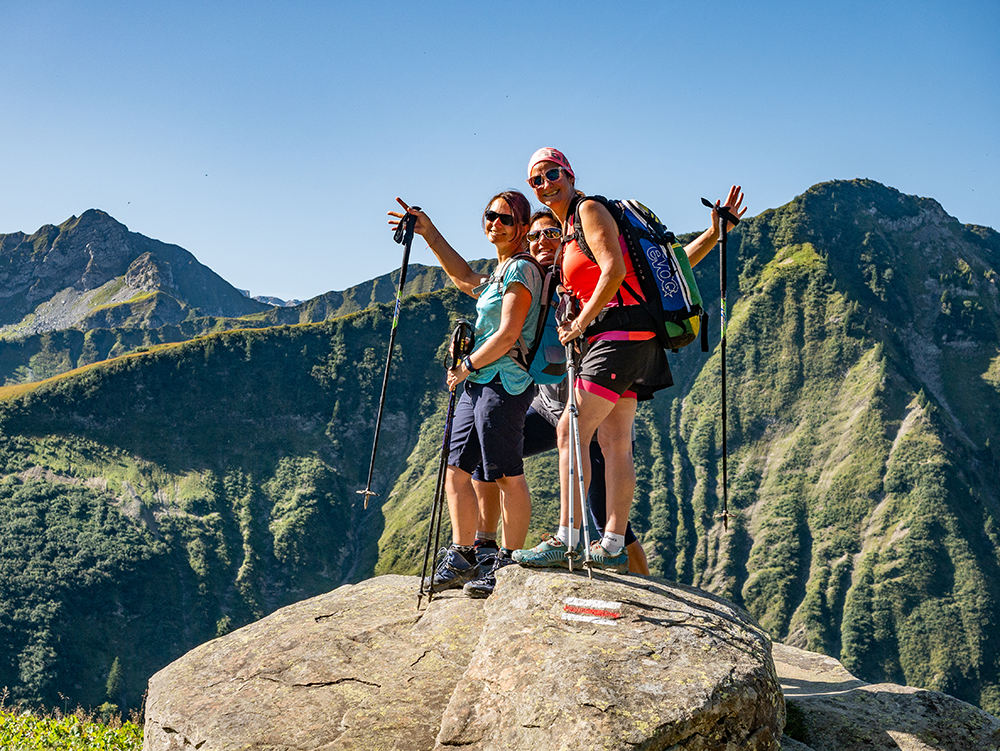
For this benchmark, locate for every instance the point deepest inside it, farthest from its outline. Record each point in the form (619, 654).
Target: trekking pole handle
(463, 339)
(404, 230)
(723, 211)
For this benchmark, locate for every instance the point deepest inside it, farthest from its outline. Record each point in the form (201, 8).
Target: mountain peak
(85, 262)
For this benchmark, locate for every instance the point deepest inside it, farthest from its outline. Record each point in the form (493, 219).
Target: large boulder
(552, 660)
(831, 710)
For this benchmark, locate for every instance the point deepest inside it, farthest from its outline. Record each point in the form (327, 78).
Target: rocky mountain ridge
(89, 290)
(91, 272)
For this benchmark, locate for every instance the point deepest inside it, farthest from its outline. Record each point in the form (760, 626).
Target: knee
(615, 446)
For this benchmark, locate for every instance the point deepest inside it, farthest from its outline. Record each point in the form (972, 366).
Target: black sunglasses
(550, 174)
(507, 220)
(550, 233)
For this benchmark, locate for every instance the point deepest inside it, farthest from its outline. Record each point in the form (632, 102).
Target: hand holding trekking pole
(456, 374)
(422, 224)
(731, 210)
(570, 331)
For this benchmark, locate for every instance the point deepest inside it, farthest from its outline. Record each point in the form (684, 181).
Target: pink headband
(550, 155)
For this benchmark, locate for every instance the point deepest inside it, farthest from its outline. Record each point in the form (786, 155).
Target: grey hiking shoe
(483, 586)
(549, 553)
(486, 551)
(602, 559)
(452, 571)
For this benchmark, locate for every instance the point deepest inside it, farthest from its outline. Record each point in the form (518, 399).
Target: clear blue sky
(269, 139)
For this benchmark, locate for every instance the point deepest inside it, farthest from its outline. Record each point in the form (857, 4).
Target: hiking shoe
(549, 553)
(486, 551)
(483, 586)
(603, 559)
(452, 571)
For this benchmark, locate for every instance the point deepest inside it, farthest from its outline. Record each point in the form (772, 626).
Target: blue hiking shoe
(452, 571)
(549, 553)
(483, 586)
(602, 559)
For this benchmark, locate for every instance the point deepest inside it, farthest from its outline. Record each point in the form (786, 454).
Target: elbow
(507, 339)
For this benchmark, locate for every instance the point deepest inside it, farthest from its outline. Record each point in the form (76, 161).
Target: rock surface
(552, 660)
(831, 710)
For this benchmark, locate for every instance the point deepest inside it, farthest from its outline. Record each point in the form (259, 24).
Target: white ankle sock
(563, 533)
(613, 543)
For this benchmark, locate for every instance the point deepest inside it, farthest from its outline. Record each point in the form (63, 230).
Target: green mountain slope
(179, 492)
(153, 501)
(104, 331)
(864, 453)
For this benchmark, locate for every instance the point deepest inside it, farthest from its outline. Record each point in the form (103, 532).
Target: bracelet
(467, 362)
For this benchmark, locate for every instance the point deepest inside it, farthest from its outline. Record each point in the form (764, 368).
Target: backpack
(667, 286)
(545, 360)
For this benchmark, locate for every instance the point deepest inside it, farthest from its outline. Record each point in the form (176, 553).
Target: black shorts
(488, 431)
(615, 368)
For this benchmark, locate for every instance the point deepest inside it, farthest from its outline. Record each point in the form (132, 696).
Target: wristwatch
(467, 362)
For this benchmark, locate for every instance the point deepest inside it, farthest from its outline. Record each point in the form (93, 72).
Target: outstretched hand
(422, 226)
(733, 202)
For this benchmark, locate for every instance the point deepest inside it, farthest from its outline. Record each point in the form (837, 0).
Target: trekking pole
(462, 339)
(575, 468)
(725, 216)
(403, 235)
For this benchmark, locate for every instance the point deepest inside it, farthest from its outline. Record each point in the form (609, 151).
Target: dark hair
(518, 204)
(545, 213)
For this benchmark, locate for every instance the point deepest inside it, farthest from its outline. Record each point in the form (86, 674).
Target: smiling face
(497, 232)
(553, 193)
(544, 248)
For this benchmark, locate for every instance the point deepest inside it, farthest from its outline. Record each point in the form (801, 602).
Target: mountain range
(89, 289)
(208, 475)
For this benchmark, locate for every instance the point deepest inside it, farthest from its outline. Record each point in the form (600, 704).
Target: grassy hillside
(111, 330)
(179, 492)
(154, 501)
(863, 455)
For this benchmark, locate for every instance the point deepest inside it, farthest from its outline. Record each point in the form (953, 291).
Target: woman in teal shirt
(488, 427)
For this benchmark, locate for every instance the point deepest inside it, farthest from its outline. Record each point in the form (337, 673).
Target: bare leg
(488, 495)
(615, 438)
(637, 563)
(592, 411)
(516, 510)
(462, 506)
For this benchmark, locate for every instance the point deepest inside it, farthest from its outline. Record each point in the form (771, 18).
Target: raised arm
(456, 267)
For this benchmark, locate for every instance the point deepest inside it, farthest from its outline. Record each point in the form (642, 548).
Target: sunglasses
(507, 220)
(549, 233)
(551, 175)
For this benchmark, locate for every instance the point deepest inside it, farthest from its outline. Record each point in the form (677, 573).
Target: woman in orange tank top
(623, 362)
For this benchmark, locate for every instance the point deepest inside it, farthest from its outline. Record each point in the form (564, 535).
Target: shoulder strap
(521, 353)
(577, 233)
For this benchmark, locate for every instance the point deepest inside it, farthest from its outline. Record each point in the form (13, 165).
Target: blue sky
(269, 139)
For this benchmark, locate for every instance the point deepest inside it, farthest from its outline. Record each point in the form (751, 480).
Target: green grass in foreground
(25, 730)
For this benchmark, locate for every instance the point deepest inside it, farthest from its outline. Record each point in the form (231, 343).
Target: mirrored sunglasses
(549, 233)
(535, 181)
